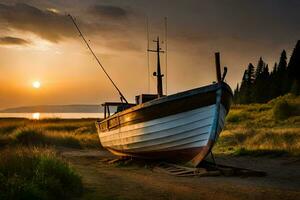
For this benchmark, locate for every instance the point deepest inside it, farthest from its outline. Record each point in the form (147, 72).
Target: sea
(38, 115)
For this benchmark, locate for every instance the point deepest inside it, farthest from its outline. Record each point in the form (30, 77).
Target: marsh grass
(36, 136)
(262, 129)
(73, 133)
(36, 173)
(29, 169)
(7, 125)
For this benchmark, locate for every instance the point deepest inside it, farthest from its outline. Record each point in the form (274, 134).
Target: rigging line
(148, 64)
(87, 44)
(166, 50)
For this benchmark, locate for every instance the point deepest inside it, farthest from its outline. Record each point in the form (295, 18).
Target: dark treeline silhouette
(260, 85)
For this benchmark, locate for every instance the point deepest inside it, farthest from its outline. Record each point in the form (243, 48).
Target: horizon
(46, 63)
(49, 105)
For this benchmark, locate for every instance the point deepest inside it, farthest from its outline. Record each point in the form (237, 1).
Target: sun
(36, 84)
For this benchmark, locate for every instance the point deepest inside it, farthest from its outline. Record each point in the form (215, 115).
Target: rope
(87, 44)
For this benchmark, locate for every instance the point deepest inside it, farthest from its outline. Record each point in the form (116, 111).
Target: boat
(181, 127)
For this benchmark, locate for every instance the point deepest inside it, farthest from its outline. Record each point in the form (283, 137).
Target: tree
(259, 85)
(242, 90)
(250, 75)
(266, 71)
(294, 64)
(293, 71)
(281, 78)
(260, 88)
(259, 68)
(236, 94)
(282, 62)
(244, 93)
(275, 68)
(272, 83)
(265, 86)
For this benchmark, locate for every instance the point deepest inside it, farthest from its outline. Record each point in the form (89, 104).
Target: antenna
(148, 64)
(87, 44)
(166, 50)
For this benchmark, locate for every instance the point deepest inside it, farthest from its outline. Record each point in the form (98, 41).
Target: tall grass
(57, 132)
(263, 141)
(34, 173)
(262, 129)
(35, 136)
(29, 170)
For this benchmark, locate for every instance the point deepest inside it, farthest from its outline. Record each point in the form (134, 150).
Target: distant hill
(55, 109)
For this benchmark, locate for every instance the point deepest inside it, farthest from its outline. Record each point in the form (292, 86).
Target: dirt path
(105, 181)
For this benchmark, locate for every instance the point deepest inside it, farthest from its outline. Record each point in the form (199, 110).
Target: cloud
(108, 12)
(48, 25)
(13, 41)
(54, 26)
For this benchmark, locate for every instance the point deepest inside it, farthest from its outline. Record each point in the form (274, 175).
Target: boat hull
(181, 137)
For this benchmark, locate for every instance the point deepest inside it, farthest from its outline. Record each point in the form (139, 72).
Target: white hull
(191, 129)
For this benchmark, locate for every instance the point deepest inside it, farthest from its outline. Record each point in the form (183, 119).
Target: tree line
(260, 85)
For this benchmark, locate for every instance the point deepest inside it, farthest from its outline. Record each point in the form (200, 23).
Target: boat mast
(158, 72)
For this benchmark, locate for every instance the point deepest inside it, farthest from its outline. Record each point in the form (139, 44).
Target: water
(52, 115)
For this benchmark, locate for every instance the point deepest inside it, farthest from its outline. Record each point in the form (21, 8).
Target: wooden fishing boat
(180, 127)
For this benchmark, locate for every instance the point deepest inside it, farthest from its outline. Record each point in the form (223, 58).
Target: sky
(38, 42)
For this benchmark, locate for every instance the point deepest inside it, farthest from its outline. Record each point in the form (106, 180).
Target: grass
(29, 169)
(49, 132)
(262, 129)
(35, 173)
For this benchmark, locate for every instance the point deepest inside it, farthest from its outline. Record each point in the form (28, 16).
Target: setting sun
(36, 84)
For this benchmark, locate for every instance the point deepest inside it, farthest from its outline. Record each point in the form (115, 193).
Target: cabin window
(111, 108)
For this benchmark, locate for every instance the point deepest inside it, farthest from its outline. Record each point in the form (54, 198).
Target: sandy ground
(105, 181)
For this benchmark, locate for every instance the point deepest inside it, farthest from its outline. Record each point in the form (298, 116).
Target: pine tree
(250, 74)
(283, 84)
(260, 88)
(242, 92)
(282, 62)
(266, 71)
(293, 70)
(246, 85)
(260, 67)
(260, 85)
(265, 86)
(275, 68)
(272, 83)
(294, 64)
(236, 94)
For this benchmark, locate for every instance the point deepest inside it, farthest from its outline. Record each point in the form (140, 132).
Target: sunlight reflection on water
(36, 116)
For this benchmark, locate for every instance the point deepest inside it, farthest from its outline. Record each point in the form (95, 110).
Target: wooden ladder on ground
(209, 169)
